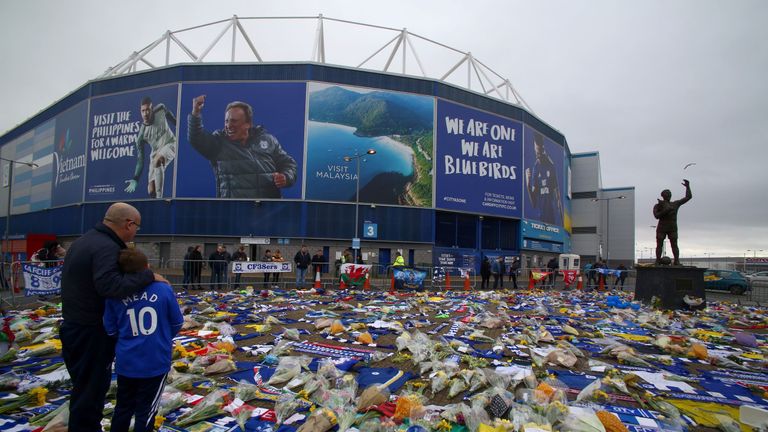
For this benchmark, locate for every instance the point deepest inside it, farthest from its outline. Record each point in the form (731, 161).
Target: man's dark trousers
(88, 353)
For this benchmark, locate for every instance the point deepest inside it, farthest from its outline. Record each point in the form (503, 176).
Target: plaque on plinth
(670, 285)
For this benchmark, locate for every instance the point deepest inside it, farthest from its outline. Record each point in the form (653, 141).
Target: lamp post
(357, 156)
(608, 225)
(11, 162)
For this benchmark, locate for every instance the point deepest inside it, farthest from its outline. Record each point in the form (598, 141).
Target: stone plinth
(670, 284)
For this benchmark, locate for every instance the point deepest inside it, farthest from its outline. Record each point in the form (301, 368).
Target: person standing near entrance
(513, 269)
(497, 269)
(267, 258)
(552, 267)
(89, 276)
(239, 255)
(277, 257)
(621, 275)
(196, 266)
(218, 263)
(302, 260)
(485, 273)
(399, 261)
(317, 262)
(187, 268)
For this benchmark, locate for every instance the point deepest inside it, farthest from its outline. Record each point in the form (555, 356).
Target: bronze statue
(666, 212)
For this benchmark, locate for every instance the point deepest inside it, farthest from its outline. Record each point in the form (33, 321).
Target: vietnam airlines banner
(69, 156)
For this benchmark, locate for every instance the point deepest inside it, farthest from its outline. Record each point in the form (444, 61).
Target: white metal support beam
(184, 48)
(403, 39)
(318, 50)
(234, 37)
(215, 41)
(248, 41)
(378, 51)
(394, 51)
(416, 56)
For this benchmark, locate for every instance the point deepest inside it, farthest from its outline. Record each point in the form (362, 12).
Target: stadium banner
(69, 155)
(132, 145)
(478, 161)
(31, 184)
(261, 267)
(453, 259)
(345, 121)
(241, 161)
(41, 280)
(544, 178)
(409, 278)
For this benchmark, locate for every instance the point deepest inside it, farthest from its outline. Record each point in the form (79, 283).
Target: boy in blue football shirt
(144, 325)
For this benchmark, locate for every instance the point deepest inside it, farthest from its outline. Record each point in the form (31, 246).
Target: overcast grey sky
(652, 85)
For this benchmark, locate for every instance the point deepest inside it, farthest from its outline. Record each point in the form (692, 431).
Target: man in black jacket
(218, 261)
(302, 260)
(90, 275)
(196, 259)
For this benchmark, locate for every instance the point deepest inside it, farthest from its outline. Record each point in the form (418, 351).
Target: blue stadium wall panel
(290, 219)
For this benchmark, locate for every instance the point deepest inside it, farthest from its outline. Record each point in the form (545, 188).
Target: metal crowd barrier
(438, 278)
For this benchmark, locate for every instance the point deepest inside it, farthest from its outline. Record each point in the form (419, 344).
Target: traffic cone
(317, 280)
(579, 284)
(531, 282)
(447, 281)
(367, 282)
(392, 286)
(466, 282)
(342, 284)
(601, 285)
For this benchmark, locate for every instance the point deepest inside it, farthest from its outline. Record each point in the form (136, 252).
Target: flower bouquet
(246, 391)
(210, 406)
(285, 406)
(372, 395)
(44, 419)
(287, 369)
(321, 420)
(170, 400)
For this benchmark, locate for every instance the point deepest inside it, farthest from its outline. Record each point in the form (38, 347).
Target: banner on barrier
(41, 280)
(354, 274)
(409, 278)
(261, 267)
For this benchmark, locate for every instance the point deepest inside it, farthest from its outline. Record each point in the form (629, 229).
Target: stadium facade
(456, 174)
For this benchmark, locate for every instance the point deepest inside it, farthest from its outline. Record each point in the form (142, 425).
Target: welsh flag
(569, 276)
(354, 274)
(6, 335)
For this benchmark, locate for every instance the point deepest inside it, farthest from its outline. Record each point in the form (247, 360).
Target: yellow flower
(39, 393)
